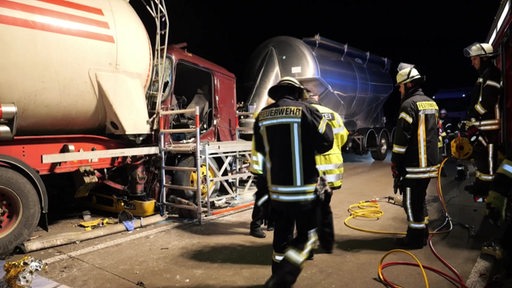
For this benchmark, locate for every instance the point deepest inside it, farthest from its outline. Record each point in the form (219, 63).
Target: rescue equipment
(19, 274)
(92, 224)
(461, 148)
(114, 204)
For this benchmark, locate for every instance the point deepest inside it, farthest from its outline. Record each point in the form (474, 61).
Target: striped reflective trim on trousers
(408, 211)
(262, 200)
(277, 257)
(422, 172)
(298, 257)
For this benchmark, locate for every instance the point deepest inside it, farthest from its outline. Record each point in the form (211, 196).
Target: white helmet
(479, 49)
(406, 73)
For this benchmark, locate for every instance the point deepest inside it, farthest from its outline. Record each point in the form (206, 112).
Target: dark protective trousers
(261, 211)
(485, 158)
(414, 192)
(290, 217)
(325, 228)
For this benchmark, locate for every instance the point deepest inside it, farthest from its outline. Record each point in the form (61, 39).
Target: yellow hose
(367, 209)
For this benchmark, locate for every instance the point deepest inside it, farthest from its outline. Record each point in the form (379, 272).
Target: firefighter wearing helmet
(330, 166)
(287, 135)
(446, 132)
(483, 123)
(415, 155)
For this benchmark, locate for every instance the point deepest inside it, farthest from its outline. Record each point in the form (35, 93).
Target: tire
(19, 210)
(189, 178)
(381, 152)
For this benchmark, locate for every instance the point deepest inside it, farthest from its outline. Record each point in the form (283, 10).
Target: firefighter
(330, 167)
(499, 212)
(483, 125)
(442, 141)
(498, 205)
(447, 132)
(288, 134)
(261, 209)
(415, 154)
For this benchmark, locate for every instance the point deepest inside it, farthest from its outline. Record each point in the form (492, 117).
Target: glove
(398, 174)
(471, 133)
(396, 170)
(396, 185)
(496, 205)
(322, 188)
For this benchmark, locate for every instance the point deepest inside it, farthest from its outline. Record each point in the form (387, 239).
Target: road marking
(106, 244)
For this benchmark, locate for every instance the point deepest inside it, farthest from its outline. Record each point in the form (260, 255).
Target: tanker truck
(350, 81)
(94, 108)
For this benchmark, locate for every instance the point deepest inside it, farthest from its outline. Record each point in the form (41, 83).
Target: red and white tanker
(70, 67)
(87, 111)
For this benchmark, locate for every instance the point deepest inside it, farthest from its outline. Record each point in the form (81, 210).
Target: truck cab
(194, 80)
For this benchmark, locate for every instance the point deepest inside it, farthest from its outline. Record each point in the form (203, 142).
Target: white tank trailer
(350, 81)
(73, 68)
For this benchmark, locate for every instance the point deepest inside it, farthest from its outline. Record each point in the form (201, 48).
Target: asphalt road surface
(221, 253)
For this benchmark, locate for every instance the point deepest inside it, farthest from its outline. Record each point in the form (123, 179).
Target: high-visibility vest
(330, 164)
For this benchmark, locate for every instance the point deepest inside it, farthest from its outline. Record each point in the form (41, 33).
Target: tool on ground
(92, 224)
(19, 274)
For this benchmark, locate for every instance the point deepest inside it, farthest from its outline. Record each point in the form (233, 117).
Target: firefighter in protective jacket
(289, 133)
(415, 155)
(499, 210)
(483, 126)
(330, 167)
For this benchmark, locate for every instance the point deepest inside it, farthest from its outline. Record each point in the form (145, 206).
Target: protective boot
(415, 239)
(461, 172)
(257, 232)
(284, 274)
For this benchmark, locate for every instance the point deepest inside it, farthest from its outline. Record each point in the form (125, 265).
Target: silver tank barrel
(350, 81)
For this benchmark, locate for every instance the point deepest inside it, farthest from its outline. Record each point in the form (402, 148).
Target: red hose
(231, 209)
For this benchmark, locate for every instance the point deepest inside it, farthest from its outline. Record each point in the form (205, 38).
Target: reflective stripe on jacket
(484, 110)
(415, 143)
(289, 133)
(330, 164)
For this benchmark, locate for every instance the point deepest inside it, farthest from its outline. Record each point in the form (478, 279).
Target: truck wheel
(19, 210)
(381, 152)
(190, 178)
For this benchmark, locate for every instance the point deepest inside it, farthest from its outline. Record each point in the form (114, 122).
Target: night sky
(430, 34)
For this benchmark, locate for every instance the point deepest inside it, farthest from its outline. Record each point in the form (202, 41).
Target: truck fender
(392, 139)
(34, 178)
(376, 140)
(370, 138)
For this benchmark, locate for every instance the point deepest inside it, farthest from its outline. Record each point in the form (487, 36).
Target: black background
(429, 34)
